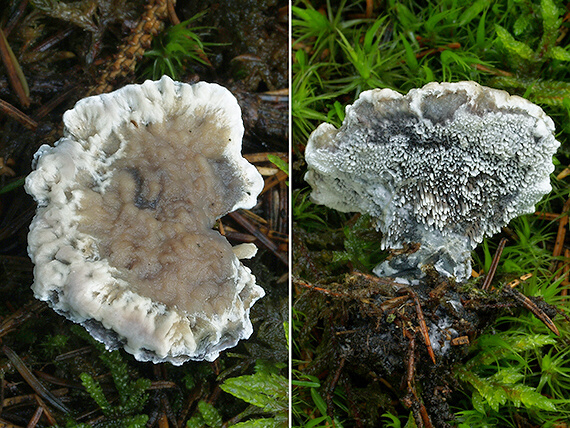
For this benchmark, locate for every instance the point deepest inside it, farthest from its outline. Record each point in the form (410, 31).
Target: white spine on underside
(443, 166)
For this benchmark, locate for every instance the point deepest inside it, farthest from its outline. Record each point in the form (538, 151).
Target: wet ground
(390, 347)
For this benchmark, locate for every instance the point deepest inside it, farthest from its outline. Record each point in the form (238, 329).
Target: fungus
(443, 166)
(122, 240)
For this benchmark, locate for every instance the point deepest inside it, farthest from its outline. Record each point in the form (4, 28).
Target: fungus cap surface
(122, 240)
(444, 166)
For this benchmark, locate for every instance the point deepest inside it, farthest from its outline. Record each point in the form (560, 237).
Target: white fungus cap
(122, 240)
(444, 166)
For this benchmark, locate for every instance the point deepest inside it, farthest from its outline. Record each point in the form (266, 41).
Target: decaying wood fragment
(494, 264)
(462, 340)
(132, 50)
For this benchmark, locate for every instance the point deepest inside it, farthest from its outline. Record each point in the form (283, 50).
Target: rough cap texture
(443, 166)
(122, 240)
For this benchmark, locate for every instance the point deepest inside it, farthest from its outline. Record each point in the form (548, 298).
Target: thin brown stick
(547, 216)
(393, 303)
(425, 416)
(54, 102)
(27, 311)
(563, 174)
(13, 21)
(58, 381)
(274, 235)
(315, 288)
(253, 217)
(494, 264)
(331, 387)
(167, 411)
(238, 236)
(560, 235)
(33, 381)
(379, 280)
(264, 240)
(162, 421)
(411, 365)
(15, 75)
(423, 326)
(46, 411)
(537, 312)
(411, 399)
(74, 354)
(27, 398)
(439, 49)
(162, 384)
(36, 417)
(53, 40)
(274, 180)
(369, 9)
(18, 400)
(18, 115)
(566, 269)
(494, 71)
(195, 395)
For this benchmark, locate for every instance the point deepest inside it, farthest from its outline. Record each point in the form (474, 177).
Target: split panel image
(308, 213)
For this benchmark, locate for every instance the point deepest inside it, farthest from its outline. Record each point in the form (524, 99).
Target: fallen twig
(36, 417)
(494, 264)
(18, 115)
(537, 312)
(33, 381)
(560, 235)
(264, 240)
(15, 74)
(423, 326)
(20, 316)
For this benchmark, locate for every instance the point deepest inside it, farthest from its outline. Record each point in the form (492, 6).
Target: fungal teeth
(465, 165)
